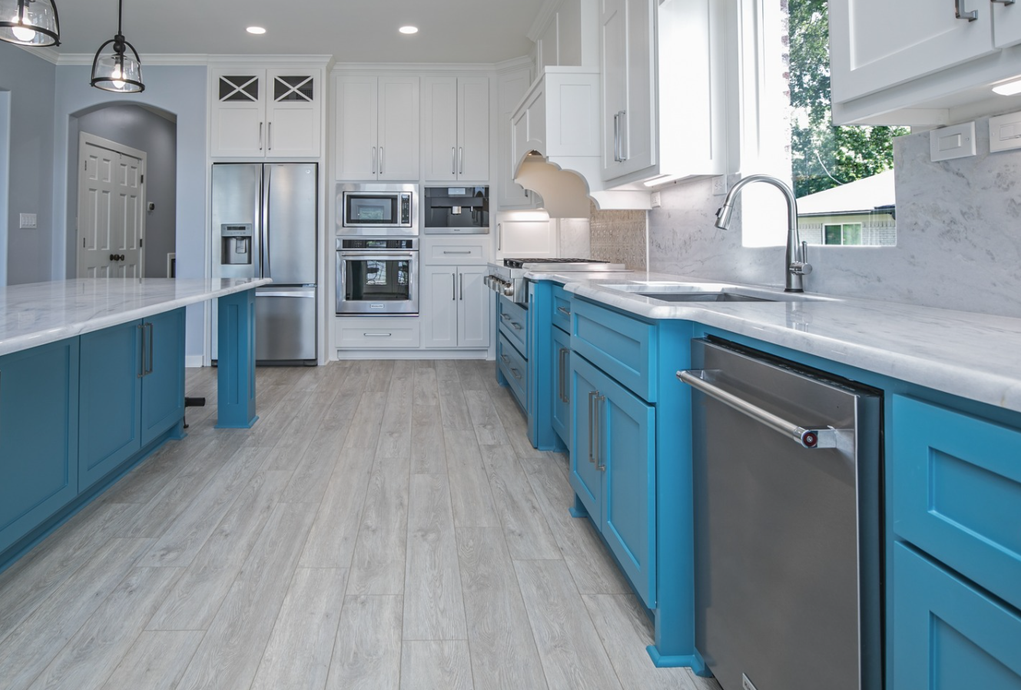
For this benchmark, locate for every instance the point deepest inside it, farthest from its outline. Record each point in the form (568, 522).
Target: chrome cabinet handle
(462, 287)
(563, 375)
(517, 326)
(505, 317)
(970, 16)
(374, 160)
(148, 325)
(453, 286)
(565, 312)
(141, 348)
(260, 136)
(600, 465)
(460, 253)
(591, 427)
(381, 159)
(269, 136)
(616, 137)
(1005, 2)
(505, 358)
(806, 438)
(623, 129)
(453, 161)
(460, 160)
(377, 335)
(517, 374)
(499, 237)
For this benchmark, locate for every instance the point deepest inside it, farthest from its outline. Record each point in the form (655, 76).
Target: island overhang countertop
(35, 314)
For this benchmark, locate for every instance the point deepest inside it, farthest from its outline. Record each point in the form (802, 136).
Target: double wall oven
(377, 250)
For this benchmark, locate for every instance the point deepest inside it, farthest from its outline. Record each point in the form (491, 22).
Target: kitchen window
(841, 176)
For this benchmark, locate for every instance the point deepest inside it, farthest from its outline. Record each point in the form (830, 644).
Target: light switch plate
(948, 143)
(27, 220)
(1005, 132)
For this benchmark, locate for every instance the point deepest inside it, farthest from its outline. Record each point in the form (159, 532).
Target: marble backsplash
(958, 236)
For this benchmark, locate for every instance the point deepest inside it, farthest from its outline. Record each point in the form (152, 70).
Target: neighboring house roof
(862, 196)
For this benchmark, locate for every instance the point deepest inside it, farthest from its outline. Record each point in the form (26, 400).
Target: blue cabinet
(38, 436)
(561, 363)
(511, 348)
(132, 391)
(613, 470)
(949, 633)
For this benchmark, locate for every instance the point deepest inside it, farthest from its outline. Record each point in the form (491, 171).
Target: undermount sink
(675, 291)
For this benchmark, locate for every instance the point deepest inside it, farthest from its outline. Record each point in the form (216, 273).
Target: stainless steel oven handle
(806, 438)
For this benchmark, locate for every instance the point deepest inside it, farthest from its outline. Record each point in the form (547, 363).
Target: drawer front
(513, 320)
(957, 492)
(947, 633)
(373, 334)
(561, 316)
(445, 252)
(514, 369)
(623, 347)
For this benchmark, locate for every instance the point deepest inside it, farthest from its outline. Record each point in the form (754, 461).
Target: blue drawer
(957, 492)
(513, 367)
(513, 320)
(947, 633)
(561, 315)
(623, 347)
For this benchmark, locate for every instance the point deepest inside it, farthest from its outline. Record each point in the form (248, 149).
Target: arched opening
(142, 128)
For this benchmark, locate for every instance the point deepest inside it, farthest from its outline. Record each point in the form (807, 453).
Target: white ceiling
(351, 30)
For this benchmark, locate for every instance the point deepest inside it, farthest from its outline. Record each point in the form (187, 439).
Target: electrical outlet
(719, 185)
(656, 201)
(28, 220)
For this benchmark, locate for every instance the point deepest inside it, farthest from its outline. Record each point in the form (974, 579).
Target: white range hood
(555, 139)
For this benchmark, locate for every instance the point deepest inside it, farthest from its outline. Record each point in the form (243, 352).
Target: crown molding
(263, 60)
(542, 19)
(203, 59)
(412, 67)
(514, 63)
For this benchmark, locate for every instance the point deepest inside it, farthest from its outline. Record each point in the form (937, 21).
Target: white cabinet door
(356, 128)
(293, 113)
(473, 129)
(439, 307)
(473, 307)
(512, 88)
(875, 44)
(628, 71)
(614, 73)
(1006, 24)
(238, 128)
(439, 128)
(398, 128)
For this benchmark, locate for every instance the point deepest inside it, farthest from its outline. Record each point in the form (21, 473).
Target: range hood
(555, 140)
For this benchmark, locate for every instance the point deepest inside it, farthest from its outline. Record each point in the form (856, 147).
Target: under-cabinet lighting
(257, 30)
(408, 30)
(1010, 88)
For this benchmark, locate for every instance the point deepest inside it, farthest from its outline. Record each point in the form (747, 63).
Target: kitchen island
(92, 381)
(602, 367)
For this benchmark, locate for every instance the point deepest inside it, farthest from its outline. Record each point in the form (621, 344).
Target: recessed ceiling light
(257, 30)
(1011, 88)
(408, 30)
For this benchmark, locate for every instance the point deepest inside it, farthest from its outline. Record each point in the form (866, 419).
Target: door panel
(398, 128)
(473, 128)
(440, 127)
(586, 480)
(473, 307)
(356, 128)
(290, 253)
(439, 306)
(285, 324)
(163, 387)
(111, 201)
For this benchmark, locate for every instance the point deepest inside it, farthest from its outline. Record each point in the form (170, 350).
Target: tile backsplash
(618, 237)
(958, 236)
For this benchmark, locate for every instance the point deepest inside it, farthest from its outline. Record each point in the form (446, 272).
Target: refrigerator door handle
(266, 268)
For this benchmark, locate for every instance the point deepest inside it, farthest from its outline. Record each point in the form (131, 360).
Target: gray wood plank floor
(385, 525)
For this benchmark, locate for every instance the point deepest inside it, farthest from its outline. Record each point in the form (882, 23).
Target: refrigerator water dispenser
(236, 244)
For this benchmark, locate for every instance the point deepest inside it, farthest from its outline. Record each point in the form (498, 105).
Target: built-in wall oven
(375, 210)
(377, 276)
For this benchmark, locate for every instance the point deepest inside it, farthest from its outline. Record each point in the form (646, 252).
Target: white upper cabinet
(271, 113)
(663, 89)
(455, 129)
(377, 128)
(512, 88)
(920, 62)
(629, 99)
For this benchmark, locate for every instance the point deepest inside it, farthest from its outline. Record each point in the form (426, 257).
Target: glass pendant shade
(116, 66)
(29, 23)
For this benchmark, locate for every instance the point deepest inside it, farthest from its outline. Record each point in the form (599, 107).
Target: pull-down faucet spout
(796, 265)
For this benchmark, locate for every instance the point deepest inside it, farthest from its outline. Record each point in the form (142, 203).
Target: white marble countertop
(975, 356)
(39, 313)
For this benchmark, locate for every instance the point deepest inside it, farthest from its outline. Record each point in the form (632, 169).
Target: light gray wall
(177, 90)
(958, 237)
(30, 81)
(157, 136)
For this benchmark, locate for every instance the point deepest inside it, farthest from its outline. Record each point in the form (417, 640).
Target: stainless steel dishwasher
(787, 523)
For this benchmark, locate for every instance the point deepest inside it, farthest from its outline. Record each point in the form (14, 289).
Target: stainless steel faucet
(796, 258)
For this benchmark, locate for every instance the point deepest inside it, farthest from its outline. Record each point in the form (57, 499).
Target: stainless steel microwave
(377, 209)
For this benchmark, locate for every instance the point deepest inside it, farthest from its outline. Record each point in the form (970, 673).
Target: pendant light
(119, 70)
(29, 23)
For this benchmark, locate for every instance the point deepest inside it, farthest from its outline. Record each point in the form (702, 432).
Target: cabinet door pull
(591, 426)
(148, 325)
(260, 136)
(453, 286)
(460, 160)
(505, 358)
(381, 159)
(565, 312)
(446, 251)
(563, 375)
(1005, 2)
(616, 137)
(141, 348)
(453, 161)
(600, 465)
(377, 335)
(970, 16)
(624, 154)
(499, 237)
(373, 160)
(505, 317)
(516, 373)
(462, 287)
(517, 326)
(269, 136)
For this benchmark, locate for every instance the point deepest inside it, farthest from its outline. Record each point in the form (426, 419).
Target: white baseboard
(193, 361)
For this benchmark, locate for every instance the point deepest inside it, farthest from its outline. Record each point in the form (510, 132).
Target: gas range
(508, 278)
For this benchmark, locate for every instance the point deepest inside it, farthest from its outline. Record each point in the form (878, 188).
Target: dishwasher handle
(806, 438)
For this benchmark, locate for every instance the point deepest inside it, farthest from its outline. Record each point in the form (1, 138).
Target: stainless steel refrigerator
(264, 222)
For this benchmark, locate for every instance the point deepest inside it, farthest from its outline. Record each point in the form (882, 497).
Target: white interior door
(111, 209)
